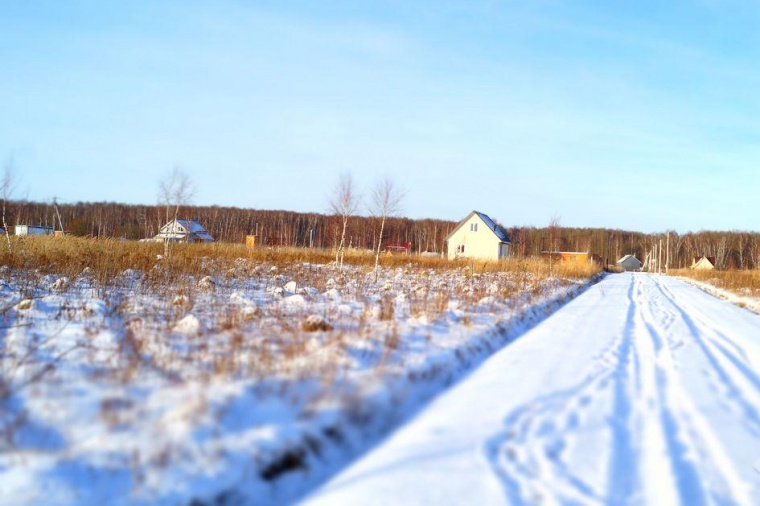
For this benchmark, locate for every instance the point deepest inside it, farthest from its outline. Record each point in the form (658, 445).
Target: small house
(397, 248)
(630, 263)
(33, 230)
(703, 263)
(478, 236)
(187, 231)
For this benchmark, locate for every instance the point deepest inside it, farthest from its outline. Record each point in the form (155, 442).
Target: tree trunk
(379, 244)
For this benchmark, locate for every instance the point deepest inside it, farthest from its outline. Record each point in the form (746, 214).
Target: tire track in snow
(622, 471)
(658, 440)
(734, 374)
(671, 445)
(703, 472)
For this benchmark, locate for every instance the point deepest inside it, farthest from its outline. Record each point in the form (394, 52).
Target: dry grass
(106, 258)
(741, 282)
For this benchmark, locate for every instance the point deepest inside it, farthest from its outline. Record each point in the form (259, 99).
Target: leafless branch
(386, 203)
(175, 191)
(344, 202)
(7, 186)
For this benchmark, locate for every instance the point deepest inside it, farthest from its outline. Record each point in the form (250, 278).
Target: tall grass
(106, 258)
(743, 282)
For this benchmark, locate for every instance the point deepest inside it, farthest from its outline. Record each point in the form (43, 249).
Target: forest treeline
(732, 250)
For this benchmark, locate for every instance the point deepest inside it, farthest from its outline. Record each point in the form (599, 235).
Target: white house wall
(482, 243)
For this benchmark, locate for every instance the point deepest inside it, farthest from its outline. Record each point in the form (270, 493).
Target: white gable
(477, 236)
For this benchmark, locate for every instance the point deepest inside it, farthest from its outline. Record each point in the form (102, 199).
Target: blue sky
(633, 115)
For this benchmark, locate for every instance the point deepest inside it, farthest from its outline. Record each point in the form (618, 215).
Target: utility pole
(667, 255)
(659, 257)
(609, 239)
(55, 206)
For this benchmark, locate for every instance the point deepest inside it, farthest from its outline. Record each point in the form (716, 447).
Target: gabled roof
(627, 257)
(191, 226)
(498, 231)
(709, 259)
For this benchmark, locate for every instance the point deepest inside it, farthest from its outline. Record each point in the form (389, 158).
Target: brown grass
(106, 258)
(741, 282)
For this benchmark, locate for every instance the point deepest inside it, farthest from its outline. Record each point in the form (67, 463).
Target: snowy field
(248, 386)
(643, 390)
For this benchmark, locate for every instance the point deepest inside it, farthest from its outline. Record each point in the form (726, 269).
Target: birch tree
(386, 203)
(721, 252)
(175, 190)
(343, 203)
(6, 185)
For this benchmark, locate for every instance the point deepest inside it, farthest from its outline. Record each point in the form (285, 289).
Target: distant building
(33, 230)
(629, 263)
(703, 263)
(397, 247)
(183, 231)
(478, 236)
(572, 256)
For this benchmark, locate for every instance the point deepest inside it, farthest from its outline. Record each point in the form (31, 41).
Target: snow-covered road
(643, 390)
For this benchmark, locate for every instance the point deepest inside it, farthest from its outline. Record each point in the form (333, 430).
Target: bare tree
(344, 203)
(175, 191)
(386, 203)
(740, 246)
(721, 252)
(7, 185)
(754, 251)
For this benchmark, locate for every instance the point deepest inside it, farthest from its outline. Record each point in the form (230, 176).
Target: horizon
(400, 216)
(625, 117)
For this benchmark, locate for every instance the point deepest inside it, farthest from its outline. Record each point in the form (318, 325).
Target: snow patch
(332, 294)
(189, 325)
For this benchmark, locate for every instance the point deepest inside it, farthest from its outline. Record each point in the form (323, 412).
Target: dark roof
(500, 232)
(192, 226)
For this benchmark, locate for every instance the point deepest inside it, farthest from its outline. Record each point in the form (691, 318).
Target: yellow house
(478, 236)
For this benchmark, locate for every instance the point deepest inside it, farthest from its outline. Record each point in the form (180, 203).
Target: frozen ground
(643, 390)
(248, 386)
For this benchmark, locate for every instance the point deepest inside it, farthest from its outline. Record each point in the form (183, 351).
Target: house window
(473, 227)
(460, 249)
